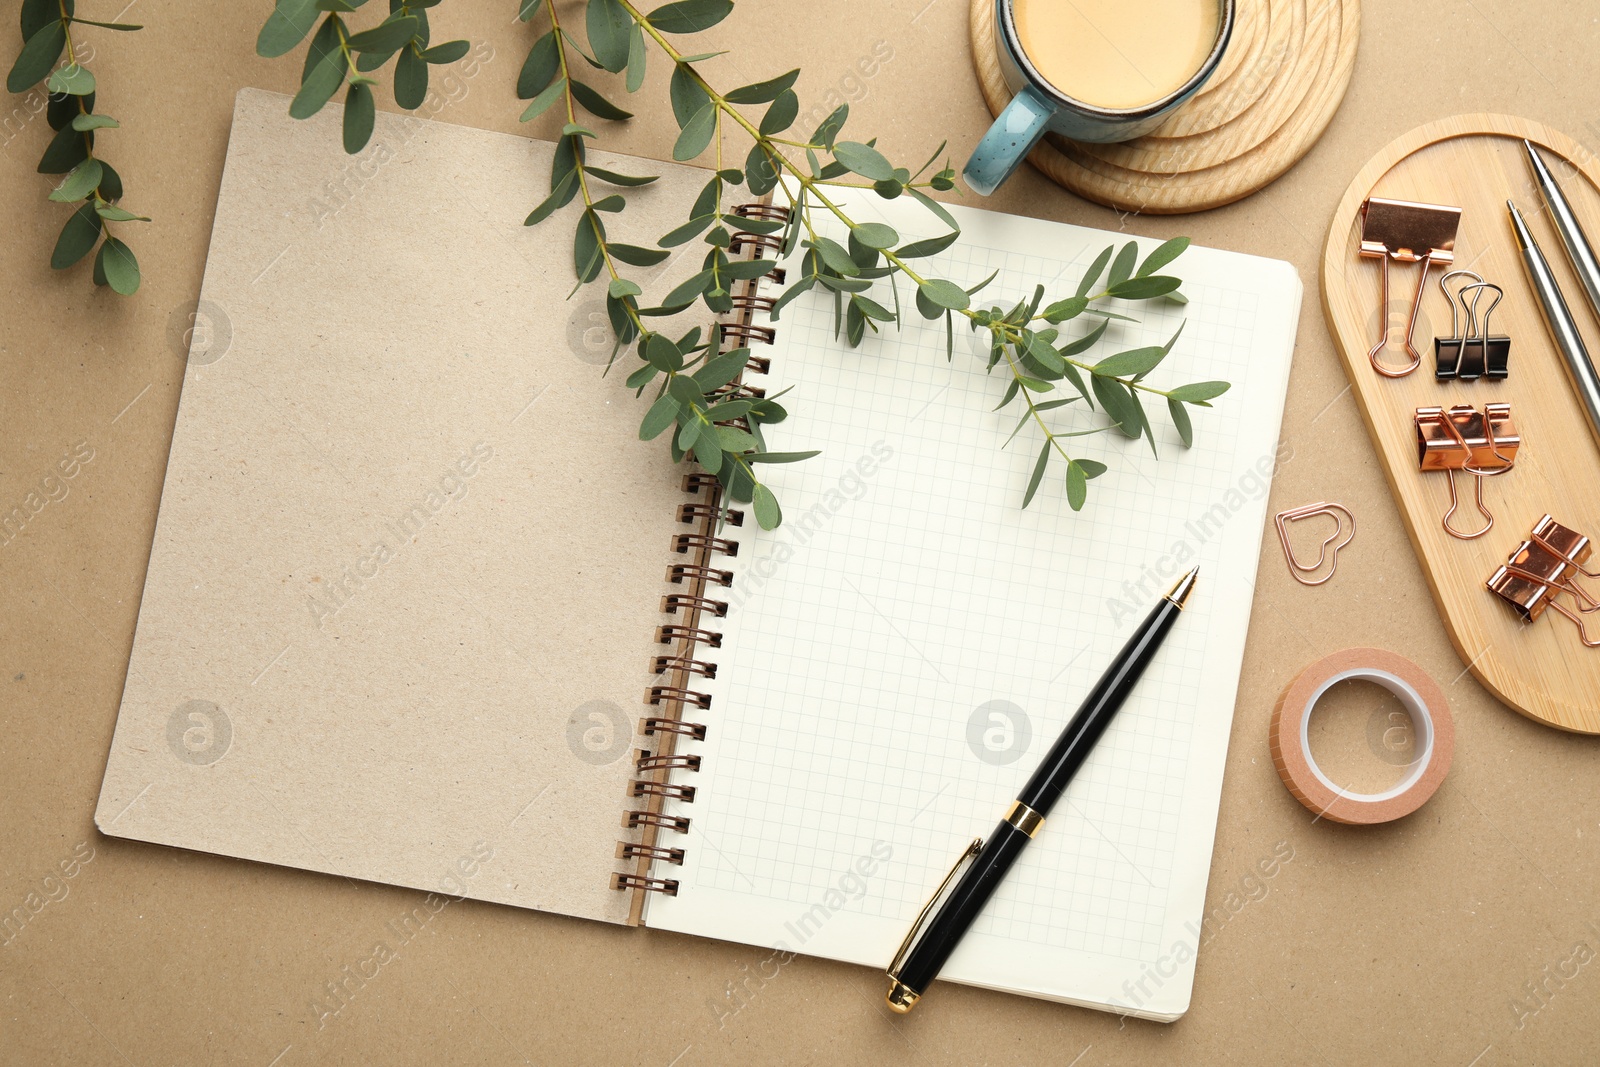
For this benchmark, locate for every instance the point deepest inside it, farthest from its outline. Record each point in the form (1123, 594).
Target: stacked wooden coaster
(1279, 84)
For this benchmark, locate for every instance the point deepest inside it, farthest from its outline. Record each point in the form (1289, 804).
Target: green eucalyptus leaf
(36, 13)
(1063, 310)
(323, 80)
(642, 377)
(1077, 485)
(760, 175)
(1133, 363)
(1180, 419)
(116, 263)
(1037, 476)
(1086, 342)
(78, 236)
(1198, 391)
(830, 127)
(72, 79)
(768, 513)
(410, 79)
(733, 439)
(863, 160)
(660, 351)
(614, 178)
(588, 257)
(359, 114)
(782, 457)
(688, 99)
(835, 256)
(66, 150)
(1092, 275)
(690, 16)
(540, 68)
(1145, 288)
(636, 256)
(687, 232)
(781, 115)
(110, 182)
(636, 58)
(542, 102)
(61, 109)
(696, 134)
(286, 27)
(1159, 257)
(944, 294)
(688, 290)
(663, 413)
(79, 183)
(875, 235)
(930, 247)
(721, 370)
(608, 26)
(448, 52)
(1122, 266)
(937, 208)
(762, 92)
(560, 196)
(596, 104)
(390, 36)
(791, 292)
(113, 213)
(86, 122)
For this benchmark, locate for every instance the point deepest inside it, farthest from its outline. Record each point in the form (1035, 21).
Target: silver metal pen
(1563, 328)
(1579, 252)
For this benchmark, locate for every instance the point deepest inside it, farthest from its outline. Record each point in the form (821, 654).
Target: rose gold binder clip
(1342, 535)
(1405, 232)
(1541, 569)
(1483, 444)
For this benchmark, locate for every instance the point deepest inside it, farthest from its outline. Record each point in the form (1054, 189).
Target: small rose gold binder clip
(1405, 232)
(1483, 444)
(1344, 531)
(1541, 569)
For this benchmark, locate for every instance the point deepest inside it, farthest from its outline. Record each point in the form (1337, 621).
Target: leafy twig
(90, 181)
(338, 57)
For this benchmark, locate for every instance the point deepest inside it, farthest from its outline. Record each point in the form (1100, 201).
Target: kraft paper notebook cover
(404, 615)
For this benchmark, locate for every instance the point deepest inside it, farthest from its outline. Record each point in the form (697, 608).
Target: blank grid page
(901, 652)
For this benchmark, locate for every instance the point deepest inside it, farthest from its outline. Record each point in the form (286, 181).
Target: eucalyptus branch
(693, 381)
(336, 57)
(90, 181)
(1030, 355)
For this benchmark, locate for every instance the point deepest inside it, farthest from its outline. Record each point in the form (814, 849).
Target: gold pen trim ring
(1024, 818)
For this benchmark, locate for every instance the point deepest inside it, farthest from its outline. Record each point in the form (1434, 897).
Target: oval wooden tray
(1477, 162)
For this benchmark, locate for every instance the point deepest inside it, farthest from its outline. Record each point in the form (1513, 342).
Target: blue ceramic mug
(1040, 107)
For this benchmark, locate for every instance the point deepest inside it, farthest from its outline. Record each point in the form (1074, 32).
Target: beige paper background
(1400, 944)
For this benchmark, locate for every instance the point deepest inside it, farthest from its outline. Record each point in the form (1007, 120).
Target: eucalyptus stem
(90, 182)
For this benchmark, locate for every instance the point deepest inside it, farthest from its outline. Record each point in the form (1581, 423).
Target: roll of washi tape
(1430, 715)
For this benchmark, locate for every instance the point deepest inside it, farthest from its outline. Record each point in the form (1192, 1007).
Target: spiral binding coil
(673, 694)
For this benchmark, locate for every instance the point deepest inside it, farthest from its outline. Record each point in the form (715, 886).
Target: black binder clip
(1471, 351)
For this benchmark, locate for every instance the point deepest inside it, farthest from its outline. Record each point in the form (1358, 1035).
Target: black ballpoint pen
(920, 960)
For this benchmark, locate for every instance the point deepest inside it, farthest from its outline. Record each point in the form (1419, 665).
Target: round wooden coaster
(1282, 79)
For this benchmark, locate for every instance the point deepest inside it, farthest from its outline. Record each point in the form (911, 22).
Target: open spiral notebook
(408, 577)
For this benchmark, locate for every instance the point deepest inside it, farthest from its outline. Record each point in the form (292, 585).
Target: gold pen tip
(901, 998)
(1180, 592)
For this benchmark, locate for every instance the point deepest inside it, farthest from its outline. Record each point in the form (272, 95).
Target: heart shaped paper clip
(1340, 537)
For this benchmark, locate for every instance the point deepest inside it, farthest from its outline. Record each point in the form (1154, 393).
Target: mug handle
(1008, 141)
